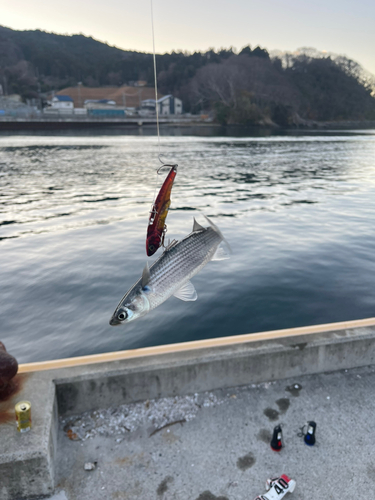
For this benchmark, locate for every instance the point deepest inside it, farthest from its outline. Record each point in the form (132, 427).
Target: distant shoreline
(150, 123)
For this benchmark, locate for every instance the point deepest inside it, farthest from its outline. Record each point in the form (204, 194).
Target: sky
(340, 26)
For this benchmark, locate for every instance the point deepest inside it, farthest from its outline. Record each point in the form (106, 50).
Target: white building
(167, 105)
(62, 104)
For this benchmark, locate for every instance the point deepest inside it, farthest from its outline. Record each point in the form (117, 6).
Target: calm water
(298, 211)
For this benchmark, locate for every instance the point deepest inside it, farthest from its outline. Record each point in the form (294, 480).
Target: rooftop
(60, 97)
(152, 101)
(123, 96)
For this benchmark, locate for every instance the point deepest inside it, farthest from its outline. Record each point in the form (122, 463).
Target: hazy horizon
(340, 28)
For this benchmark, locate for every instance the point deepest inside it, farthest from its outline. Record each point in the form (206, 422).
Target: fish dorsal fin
(145, 275)
(187, 292)
(197, 226)
(221, 253)
(217, 230)
(171, 244)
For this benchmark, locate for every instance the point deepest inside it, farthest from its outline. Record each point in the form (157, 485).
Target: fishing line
(155, 77)
(163, 164)
(156, 100)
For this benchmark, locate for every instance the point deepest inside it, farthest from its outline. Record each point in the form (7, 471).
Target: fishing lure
(156, 225)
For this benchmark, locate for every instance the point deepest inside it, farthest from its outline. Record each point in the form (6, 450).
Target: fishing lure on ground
(171, 272)
(156, 225)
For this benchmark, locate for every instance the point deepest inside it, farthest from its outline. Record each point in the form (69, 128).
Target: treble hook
(165, 165)
(163, 235)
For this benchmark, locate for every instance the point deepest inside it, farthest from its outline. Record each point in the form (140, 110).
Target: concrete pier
(38, 462)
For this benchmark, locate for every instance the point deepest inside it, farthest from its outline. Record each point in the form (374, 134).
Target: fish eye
(123, 315)
(151, 247)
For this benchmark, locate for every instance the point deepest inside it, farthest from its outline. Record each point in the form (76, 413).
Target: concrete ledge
(76, 385)
(185, 372)
(27, 460)
(200, 344)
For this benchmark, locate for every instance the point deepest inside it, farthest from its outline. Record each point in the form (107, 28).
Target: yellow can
(23, 416)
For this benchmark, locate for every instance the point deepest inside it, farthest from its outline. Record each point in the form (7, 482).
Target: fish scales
(177, 265)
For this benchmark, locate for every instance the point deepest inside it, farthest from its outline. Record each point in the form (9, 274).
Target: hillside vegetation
(247, 88)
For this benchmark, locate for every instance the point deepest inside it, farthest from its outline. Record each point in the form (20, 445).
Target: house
(125, 96)
(167, 105)
(62, 104)
(148, 107)
(13, 106)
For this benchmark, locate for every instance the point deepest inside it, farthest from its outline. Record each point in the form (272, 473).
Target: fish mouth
(114, 321)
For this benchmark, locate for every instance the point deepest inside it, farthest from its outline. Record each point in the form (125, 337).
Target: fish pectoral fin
(145, 275)
(221, 253)
(197, 226)
(187, 292)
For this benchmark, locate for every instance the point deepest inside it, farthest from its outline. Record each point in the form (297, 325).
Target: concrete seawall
(75, 385)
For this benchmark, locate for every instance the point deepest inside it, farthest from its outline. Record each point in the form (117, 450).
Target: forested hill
(245, 87)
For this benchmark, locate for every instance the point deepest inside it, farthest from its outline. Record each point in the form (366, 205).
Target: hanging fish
(156, 225)
(170, 274)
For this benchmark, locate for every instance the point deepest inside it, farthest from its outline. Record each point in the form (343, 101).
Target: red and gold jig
(156, 225)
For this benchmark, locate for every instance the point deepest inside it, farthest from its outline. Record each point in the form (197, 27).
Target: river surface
(298, 211)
